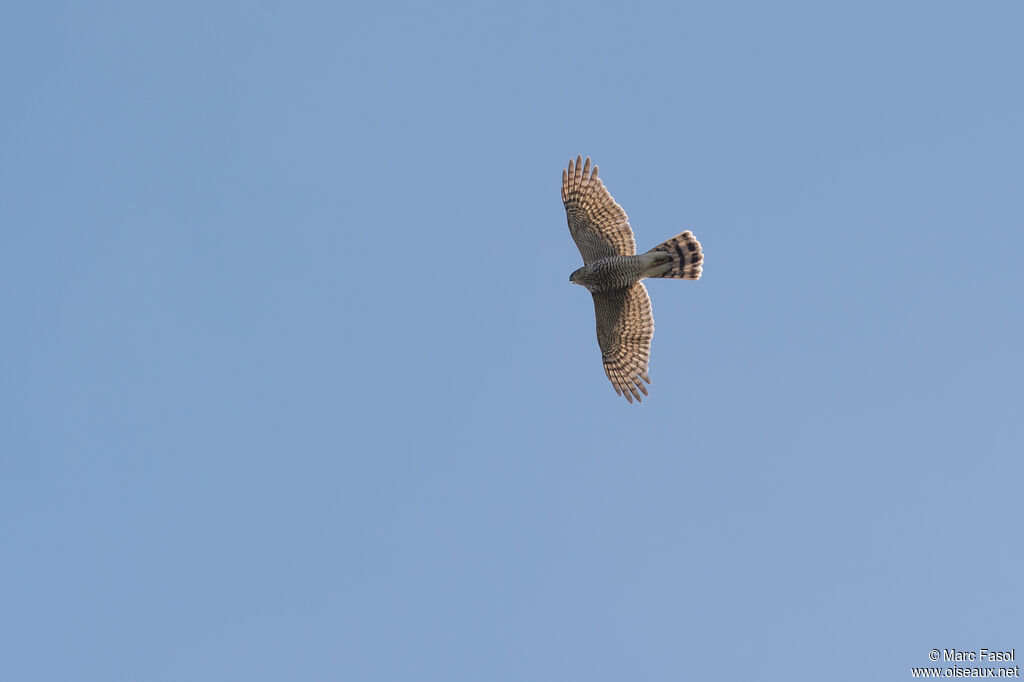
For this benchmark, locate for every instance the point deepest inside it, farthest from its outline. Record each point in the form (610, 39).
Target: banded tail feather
(685, 258)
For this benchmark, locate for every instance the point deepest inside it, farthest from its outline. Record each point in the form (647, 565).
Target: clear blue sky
(295, 386)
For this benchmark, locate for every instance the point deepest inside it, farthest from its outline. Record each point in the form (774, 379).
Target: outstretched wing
(598, 225)
(625, 326)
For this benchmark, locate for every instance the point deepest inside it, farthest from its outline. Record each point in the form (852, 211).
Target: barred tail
(684, 258)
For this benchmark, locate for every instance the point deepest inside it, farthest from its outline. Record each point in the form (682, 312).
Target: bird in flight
(612, 272)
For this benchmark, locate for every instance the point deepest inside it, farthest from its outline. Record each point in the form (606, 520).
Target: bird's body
(617, 272)
(612, 272)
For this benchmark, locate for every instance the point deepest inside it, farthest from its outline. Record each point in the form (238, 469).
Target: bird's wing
(598, 225)
(625, 326)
